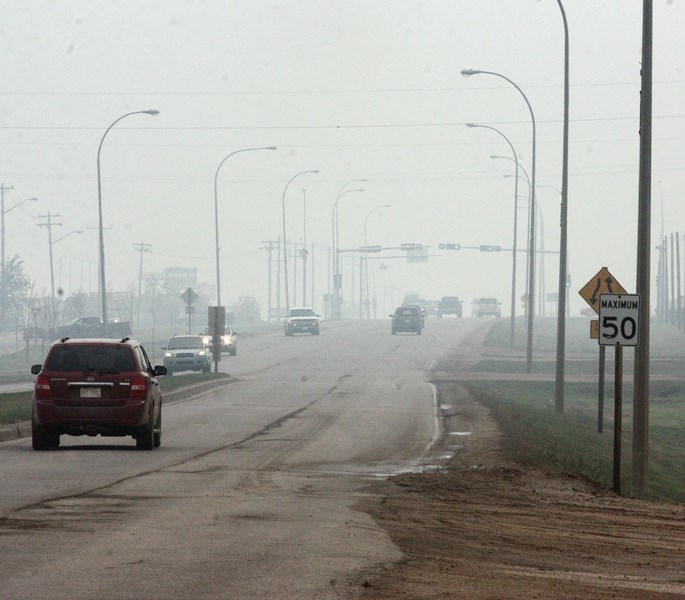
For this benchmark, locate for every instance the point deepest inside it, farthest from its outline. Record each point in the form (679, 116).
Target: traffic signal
(443, 246)
(487, 248)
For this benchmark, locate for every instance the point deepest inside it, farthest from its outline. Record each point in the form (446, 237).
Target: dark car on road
(187, 353)
(96, 387)
(407, 318)
(449, 305)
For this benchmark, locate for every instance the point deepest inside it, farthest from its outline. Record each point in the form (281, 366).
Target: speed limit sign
(619, 319)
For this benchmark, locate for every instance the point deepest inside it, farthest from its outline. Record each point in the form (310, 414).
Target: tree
(13, 293)
(247, 310)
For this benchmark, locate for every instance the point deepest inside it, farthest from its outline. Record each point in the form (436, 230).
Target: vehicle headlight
(201, 353)
(168, 355)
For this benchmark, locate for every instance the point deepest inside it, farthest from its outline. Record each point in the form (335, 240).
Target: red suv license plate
(90, 392)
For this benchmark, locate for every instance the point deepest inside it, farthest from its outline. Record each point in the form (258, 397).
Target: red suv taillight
(139, 387)
(43, 387)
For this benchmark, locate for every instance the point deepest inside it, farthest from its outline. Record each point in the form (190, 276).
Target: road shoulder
(484, 527)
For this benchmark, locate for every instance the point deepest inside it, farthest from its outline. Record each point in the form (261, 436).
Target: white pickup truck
(229, 342)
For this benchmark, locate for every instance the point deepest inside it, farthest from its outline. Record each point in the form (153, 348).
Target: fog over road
(251, 494)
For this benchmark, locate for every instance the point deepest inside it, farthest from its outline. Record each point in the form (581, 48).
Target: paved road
(251, 494)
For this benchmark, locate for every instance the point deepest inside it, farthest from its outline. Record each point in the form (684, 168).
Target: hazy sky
(355, 89)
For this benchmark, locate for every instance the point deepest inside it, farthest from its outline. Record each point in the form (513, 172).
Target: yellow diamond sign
(602, 283)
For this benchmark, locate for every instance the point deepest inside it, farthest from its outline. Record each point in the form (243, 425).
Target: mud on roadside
(488, 528)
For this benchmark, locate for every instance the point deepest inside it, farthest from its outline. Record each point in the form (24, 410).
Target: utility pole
(49, 224)
(278, 279)
(141, 247)
(640, 448)
(269, 247)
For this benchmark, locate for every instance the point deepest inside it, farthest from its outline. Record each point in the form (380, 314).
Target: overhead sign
(602, 283)
(619, 316)
(189, 296)
(369, 248)
(411, 246)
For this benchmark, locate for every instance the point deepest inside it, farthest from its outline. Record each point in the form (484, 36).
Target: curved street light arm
(514, 159)
(364, 290)
(285, 242)
(531, 219)
(103, 291)
(216, 213)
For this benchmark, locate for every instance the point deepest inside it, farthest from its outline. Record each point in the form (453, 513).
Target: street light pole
(366, 266)
(335, 305)
(512, 321)
(563, 237)
(531, 266)
(285, 242)
(216, 214)
(303, 252)
(103, 290)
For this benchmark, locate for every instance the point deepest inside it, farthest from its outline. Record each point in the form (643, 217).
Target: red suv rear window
(90, 357)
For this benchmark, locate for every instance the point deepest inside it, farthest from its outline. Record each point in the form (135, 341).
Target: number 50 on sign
(619, 319)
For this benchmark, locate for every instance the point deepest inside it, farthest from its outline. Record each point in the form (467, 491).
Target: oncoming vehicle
(96, 387)
(407, 318)
(486, 307)
(187, 353)
(301, 320)
(229, 341)
(450, 305)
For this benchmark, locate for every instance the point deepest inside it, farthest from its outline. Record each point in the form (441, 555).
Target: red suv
(97, 386)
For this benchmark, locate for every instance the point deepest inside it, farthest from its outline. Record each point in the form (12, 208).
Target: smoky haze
(353, 89)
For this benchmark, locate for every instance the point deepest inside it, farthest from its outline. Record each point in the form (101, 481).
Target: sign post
(602, 283)
(619, 317)
(189, 296)
(216, 320)
(617, 326)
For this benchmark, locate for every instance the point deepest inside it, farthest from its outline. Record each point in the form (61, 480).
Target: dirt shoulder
(488, 528)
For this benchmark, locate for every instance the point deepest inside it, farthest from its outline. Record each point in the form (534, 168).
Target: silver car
(187, 353)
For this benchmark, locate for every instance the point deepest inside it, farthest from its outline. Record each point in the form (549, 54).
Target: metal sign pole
(618, 417)
(600, 391)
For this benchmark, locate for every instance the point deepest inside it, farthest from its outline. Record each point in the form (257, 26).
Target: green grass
(16, 406)
(536, 435)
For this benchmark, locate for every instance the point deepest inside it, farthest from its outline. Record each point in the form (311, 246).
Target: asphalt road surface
(252, 493)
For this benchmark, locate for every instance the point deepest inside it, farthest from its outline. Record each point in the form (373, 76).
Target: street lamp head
(497, 156)
(151, 111)
(469, 72)
(271, 148)
(314, 171)
(472, 125)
